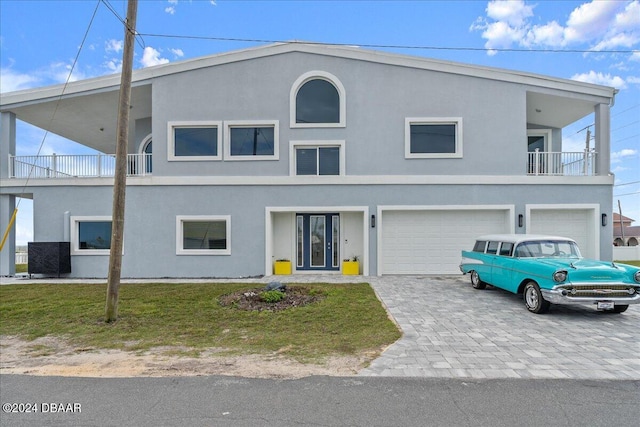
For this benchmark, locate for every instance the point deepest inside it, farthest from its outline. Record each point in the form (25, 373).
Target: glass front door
(318, 241)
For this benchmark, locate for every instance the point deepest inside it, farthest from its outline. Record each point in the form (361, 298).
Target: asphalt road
(316, 401)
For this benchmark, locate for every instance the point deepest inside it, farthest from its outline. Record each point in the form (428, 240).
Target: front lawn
(349, 320)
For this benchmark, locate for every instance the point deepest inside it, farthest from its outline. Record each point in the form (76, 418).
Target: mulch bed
(250, 299)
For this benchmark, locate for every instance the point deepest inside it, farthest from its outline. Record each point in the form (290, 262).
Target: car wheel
(533, 299)
(476, 282)
(619, 308)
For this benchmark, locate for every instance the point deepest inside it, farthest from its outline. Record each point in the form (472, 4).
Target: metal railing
(76, 166)
(562, 163)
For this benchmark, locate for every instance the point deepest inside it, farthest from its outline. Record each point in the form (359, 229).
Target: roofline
(145, 75)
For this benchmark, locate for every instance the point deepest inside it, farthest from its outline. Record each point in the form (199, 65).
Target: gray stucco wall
(378, 99)
(150, 225)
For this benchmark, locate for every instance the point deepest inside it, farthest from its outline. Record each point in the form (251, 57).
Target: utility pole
(120, 179)
(621, 225)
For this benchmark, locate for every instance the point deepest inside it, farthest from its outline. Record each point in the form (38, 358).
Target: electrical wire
(382, 46)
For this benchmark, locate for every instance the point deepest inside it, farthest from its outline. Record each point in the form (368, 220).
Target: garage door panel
(574, 223)
(430, 241)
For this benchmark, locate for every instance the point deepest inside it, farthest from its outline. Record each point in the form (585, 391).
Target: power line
(627, 183)
(382, 46)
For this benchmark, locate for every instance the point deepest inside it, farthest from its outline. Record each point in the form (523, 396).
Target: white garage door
(429, 242)
(577, 224)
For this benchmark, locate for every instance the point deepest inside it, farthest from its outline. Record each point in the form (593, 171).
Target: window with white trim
(317, 100)
(203, 235)
(252, 140)
(90, 235)
(317, 158)
(189, 141)
(433, 137)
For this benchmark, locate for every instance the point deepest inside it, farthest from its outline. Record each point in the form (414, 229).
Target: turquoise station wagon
(549, 269)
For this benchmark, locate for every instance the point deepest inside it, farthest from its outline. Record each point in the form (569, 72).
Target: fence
(76, 166)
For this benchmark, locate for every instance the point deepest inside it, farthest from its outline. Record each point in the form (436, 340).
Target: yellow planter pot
(282, 267)
(350, 268)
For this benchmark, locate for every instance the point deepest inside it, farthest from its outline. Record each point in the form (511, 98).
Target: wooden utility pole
(120, 179)
(621, 224)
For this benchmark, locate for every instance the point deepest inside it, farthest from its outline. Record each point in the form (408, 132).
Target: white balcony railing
(563, 164)
(76, 166)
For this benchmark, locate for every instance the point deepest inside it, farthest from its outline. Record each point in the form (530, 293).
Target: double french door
(318, 241)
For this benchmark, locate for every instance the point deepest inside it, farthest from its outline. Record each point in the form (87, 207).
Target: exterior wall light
(520, 220)
(373, 221)
(604, 219)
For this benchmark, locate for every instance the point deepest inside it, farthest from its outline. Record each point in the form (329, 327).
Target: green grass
(349, 321)
(636, 263)
(21, 268)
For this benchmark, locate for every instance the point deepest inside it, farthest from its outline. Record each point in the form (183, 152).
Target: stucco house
(313, 154)
(624, 232)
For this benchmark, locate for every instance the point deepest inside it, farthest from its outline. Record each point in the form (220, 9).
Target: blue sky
(39, 41)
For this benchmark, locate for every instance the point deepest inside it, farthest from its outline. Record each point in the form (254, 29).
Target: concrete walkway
(451, 330)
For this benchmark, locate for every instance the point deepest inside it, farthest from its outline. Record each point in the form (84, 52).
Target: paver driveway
(453, 330)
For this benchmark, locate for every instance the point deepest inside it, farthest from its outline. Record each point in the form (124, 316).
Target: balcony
(562, 164)
(76, 166)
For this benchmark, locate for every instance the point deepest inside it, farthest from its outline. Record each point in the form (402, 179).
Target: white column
(602, 136)
(8, 253)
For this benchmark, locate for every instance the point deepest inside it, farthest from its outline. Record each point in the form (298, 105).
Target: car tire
(476, 282)
(619, 308)
(533, 299)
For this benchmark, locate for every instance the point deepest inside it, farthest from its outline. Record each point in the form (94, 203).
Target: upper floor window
(318, 100)
(251, 140)
(194, 140)
(433, 137)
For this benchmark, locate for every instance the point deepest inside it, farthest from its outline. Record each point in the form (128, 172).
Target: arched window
(317, 100)
(147, 150)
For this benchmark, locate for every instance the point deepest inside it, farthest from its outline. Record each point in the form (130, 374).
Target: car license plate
(605, 305)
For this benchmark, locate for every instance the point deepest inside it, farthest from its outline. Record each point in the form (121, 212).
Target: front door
(318, 241)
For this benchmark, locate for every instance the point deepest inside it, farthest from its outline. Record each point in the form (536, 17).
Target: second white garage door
(430, 241)
(577, 224)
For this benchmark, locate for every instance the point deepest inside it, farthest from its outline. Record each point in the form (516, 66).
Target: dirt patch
(257, 299)
(52, 356)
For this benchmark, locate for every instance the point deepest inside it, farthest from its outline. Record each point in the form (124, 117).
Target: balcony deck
(76, 166)
(103, 165)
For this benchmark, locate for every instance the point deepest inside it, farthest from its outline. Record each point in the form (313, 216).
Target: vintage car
(549, 269)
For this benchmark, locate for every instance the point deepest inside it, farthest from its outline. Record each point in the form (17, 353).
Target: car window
(479, 246)
(506, 249)
(493, 247)
(550, 248)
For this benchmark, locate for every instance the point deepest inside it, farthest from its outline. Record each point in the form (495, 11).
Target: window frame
(316, 144)
(171, 125)
(456, 121)
(75, 234)
(293, 95)
(228, 124)
(181, 219)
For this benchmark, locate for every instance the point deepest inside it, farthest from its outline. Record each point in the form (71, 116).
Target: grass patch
(636, 263)
(349, 320)
(21, 268)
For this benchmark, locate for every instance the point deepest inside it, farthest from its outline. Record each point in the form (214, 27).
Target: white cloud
(590, 20)
(601, 79)
(600, 25)
(113, 46)
(151, 57)
(619, 156)
(178, 53)
(11, 80)
(171, 9)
